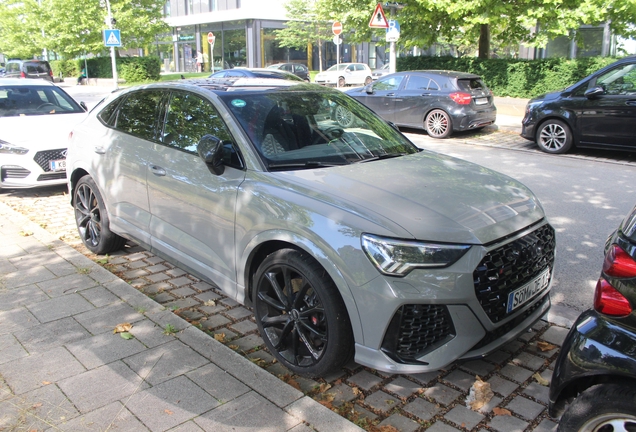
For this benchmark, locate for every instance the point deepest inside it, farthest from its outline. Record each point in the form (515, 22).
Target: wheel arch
(76, 175)
(566, 117)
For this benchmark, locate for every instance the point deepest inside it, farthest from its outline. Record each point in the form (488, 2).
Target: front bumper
(595, 348)
(32, 169)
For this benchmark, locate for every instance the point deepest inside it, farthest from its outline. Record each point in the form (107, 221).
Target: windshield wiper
(383, 156)
(304, 165)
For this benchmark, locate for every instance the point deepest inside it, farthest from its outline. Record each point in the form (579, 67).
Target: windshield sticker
(239, 103)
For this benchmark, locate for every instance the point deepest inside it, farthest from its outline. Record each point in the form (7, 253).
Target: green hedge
(131, 69)
(515, 78)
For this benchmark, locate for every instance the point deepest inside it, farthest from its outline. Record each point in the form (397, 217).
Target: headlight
(398, 257)
(628, 227)
(5, 147)
(532, 105)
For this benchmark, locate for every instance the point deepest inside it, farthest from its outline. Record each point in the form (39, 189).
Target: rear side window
(471, 84)
(138, 114)
(417, 82)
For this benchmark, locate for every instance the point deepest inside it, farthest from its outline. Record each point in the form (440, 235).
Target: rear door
(383, 96)
(415, 99)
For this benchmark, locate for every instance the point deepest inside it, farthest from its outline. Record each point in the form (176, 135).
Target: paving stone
(137, 265)
(218, 383)
(154, 260)
(106, 318)
(278, 370)
(527, 336)
(477, 367)
(249, 342)
(512, 347)
(60, 307)
(148, 333)
(261, 357)
(422, 409)
(99, 296)
(157, 268)
(442, 394)
(181, 304)
(176, 272)
(134, 274)
(47, 336)
(136, 256)
(546, 425)
(306, 385)
(525, 408)
(191, 426)
(227, 334)
(212, 310)
(334, 376)
(502, 386)
(495, 401)
(228, 302)
(460, 379)
(381, 401)
(239, 313)
(402, 387)
(365, 380)
(363, 413)
(39, 409)
(515, 373)
(191, 315)
(399, 422)
(10, 349)
(138, 283)
(38, 274)
(498, 357)
(28, 295)
(208, 295)
(540, 325)
(184, 292)
(528, 360)
(215, 321)
(202, 286)
(440, 426)
(180, 281)
(341, 393)
(537, 391)
(103, 349)
(159, 277)
(244, 326)
(555, 335)
(464, 417)
(506, 423)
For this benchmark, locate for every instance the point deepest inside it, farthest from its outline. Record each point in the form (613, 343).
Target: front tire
(301, 315)
(92, 220)
(438, 124)
(602, 407)
(554, 136)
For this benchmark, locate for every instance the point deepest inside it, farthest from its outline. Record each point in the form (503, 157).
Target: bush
(131, 69)
(512, 77)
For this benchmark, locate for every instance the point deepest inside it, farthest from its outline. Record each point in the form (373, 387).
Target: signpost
(378, 19)
(114, 35)
(336, 28)
(211, 38)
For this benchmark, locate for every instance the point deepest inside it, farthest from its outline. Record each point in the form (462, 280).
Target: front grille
(52, 176)
(511, 266)
(415, 330)
(13, 172)
(43, 158)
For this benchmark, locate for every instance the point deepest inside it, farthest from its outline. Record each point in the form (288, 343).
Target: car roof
(235, 84)
(24, 82)
(443, 73)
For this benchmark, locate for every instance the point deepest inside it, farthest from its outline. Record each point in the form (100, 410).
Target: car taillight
(619, 263)
(51, 73)
(461, 98)
(608, 301)
(22, 75)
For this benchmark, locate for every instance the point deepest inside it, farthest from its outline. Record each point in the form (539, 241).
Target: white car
(345, 74)
(36, 117)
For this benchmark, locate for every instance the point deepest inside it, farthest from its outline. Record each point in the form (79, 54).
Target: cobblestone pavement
(434, 401)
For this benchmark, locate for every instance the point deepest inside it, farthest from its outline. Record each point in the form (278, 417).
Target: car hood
(39, 132)
(425, 196)
(547, 97)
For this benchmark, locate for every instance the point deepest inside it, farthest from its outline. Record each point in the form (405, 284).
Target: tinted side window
(392, 83)
(137, 115)
(470, 84)
(417, 82)
(107, 116)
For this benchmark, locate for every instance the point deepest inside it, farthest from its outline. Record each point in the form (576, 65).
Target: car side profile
(345, 74)
(254, 73)
(28, 69)
(345, 241)
(297, 69)
(441, 102)
(597, 112)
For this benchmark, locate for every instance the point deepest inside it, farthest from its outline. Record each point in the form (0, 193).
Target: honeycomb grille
(43, 158)
(416, 329)
(511, 266)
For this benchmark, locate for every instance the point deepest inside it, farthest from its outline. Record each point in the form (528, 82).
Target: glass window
(620, 80)
(390, 83)
(106, 115)
(471, 84)
(417, 82)
(138, 114)
(189, 118)
(35, 100)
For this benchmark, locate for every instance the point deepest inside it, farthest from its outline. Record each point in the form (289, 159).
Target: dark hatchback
(596, 112)
(297, 69)
(255, 73)
(440, 102)
(596, 369)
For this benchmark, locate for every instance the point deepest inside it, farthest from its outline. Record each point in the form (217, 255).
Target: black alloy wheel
(300, 314)
(92, 219)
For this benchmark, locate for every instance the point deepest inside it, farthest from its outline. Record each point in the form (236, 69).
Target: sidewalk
(63, 368)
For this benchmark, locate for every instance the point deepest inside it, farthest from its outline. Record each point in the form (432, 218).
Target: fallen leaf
(480, 394)
(234, 347)
(324, 387)
(292, 382)
(540, 379)
(46, 382)
(25, 233)
(356, 391)
(167, 411)
(220, 337)
(209, 303)
(544, 346)
(123, 327)
(126, 335)
(501, 411)
(37, 405)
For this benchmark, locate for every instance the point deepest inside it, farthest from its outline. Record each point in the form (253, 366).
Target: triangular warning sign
(378, 20)
(112, 39)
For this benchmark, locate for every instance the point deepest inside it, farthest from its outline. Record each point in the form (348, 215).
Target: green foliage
(131, 69)
(511, 77)
(139, 69)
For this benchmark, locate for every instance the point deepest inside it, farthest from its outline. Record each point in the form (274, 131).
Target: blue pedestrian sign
(393, 31)
(112, 38)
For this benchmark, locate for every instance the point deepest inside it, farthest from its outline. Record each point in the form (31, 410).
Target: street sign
(336, 28)
(378, 19)
(211, 38)
(393, 32)
(337, 40)
(112, 38)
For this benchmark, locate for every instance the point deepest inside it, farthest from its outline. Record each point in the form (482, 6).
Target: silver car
(344, 240)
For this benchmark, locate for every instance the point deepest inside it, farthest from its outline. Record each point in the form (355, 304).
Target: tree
(20, 28)
(305, 26)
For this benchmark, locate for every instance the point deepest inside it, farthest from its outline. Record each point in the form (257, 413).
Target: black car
(254, 73)
(596, 368)
(441, 102)
(596, 112)
(297, 69)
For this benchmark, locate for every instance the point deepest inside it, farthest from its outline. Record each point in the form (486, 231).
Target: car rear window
(471, 84)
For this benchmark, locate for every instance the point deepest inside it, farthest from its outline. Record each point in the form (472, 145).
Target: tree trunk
(484, 41)
(320, 55)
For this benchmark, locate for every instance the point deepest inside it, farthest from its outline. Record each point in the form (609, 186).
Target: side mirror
(368, 88)
(83, 105)
(210, 149)
(594, 91)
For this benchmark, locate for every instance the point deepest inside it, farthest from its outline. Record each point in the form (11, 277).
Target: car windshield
(35, 100)
(338, 67)
(298, 129)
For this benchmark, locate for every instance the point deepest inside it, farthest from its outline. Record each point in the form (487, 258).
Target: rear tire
(554, 136)
(438, 124)
(601, 407)
(301, 315)
(92, 219)
(341, 82)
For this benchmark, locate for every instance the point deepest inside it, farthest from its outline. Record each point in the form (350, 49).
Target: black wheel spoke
(272, 302)
(271, 277)
(322, 335)
(300, 296)
(302, 337)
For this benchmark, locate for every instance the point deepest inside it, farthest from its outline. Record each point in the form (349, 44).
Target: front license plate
(481, 101)
(521, 296)
(58, 165)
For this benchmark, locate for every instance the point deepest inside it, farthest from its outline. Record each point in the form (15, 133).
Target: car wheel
(438, 124)
(300, 314)
(601, 407)
(368, 80)
(344, 117)
(554, 136)
(92, 219)
(341, 82)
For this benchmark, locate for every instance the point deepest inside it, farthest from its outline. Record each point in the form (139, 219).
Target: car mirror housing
(210, 149)
(369, 89)
(594, 91)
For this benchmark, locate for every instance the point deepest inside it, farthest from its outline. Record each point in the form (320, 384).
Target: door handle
(426, 94)
(390, 94)
(158, 171)
(99, 150)
(631, 103)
